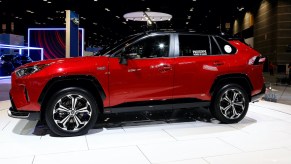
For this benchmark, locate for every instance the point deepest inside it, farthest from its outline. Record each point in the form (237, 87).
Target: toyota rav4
(150, 71)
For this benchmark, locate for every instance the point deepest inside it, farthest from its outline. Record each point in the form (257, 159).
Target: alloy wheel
(72, 112)
(232, 103)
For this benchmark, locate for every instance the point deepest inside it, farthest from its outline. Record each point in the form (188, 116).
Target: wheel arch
(240, 79)
(86, 82)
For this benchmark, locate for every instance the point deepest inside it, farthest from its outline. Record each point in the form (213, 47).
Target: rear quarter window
(225, 47)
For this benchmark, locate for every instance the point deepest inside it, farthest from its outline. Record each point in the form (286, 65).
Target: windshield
(119, 44)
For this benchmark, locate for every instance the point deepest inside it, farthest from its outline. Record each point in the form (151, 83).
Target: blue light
(51, 29)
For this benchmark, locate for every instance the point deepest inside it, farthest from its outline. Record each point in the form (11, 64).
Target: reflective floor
(179, 137)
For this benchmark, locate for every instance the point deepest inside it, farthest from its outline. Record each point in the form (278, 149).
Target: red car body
(142, 80)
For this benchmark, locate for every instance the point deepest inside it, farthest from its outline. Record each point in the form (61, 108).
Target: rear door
(199, 61)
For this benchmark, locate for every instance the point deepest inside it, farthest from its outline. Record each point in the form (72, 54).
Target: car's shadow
(111, 121)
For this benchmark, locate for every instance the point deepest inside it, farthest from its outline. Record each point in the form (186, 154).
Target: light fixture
(29, 11)
(44, 0)
(240, 9)
(189, 17)
(117, 17)
(192, 9)
(124, 22)
(161, 45)
(107, 9)
(49, 2)
(187, 22)
(95, 0)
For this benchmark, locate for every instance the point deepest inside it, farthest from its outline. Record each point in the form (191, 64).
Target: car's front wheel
(71, 112)
(230, 104)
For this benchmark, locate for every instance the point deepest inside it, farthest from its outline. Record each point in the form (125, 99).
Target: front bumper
(13, 112)
(258, 96)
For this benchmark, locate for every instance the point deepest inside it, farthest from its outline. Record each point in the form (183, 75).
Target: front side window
(194, 45)
(150, 47)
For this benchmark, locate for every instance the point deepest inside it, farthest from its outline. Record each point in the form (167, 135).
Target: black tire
(63, 121)
(230, 110)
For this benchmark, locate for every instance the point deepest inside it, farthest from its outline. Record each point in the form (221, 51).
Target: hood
(62, 60)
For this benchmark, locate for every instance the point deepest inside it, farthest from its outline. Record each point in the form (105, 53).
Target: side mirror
(123, 60)
(125, 56)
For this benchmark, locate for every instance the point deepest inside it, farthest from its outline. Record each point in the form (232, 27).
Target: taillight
(256, 60)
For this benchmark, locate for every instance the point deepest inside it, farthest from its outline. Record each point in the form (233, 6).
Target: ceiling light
(192, 9)
(107, 9)
(124, 22)
(44, 0)
(49, 2)
(117, 17)
(95, 0)
(187, 22)
(95, 23)
(240, 9)
(189, 17)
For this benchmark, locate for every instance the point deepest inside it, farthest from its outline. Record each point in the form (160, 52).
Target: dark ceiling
(103, 19)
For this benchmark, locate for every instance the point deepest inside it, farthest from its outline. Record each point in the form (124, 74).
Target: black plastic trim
(29, 115)
(157, 105)
(55, 80)
(227, 78)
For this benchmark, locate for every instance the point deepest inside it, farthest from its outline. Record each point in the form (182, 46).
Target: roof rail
(231, 37)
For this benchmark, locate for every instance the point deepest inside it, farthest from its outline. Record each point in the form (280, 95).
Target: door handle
(218, 63)
(164, 68)
(134, 70)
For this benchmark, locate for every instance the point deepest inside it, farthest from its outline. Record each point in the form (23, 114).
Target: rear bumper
(258, 96)
(13, 112)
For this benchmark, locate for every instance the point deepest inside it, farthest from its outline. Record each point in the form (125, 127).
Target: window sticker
(227, 49)
(199, 52)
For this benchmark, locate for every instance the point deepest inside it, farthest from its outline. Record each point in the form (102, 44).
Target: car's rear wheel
(230, 104)
(71, 112)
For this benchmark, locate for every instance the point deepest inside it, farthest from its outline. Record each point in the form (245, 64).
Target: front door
(147, 77)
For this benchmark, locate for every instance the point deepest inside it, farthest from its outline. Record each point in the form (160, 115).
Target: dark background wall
(271, 29)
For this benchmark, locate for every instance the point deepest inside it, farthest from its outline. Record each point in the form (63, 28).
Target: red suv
(153, 71)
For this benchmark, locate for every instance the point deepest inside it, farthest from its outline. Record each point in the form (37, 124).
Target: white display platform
(264, 136)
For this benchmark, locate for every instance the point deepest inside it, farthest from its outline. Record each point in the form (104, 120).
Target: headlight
(30, 70)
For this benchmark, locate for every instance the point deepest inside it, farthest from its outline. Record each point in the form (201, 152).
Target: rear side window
(225, 47)
(194, 45)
